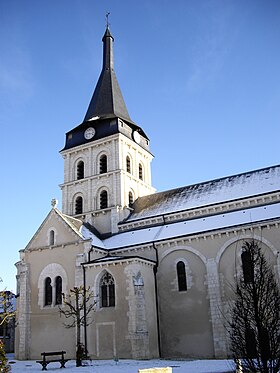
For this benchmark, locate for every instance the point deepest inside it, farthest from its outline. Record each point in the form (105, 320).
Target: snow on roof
(109, 258)
(194, 226)
(211, 192)
(74, 223)
(95, 241)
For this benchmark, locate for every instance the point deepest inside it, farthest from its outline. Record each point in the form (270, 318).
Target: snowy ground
(128, 366)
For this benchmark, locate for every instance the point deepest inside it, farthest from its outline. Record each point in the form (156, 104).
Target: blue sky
(201, 77)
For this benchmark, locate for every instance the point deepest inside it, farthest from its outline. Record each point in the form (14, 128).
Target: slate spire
(107, 100)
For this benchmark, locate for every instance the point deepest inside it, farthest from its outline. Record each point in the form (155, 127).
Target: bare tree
(4, 366)
(255, 323)
(7, 317)
(76, 307)
(7, 311)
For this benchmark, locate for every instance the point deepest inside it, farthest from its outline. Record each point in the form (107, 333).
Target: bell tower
(107, 161)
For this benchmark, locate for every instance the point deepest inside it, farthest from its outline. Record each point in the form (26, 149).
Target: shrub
(4, 366)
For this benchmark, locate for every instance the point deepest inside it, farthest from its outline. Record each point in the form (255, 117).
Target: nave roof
(230, 188)
(211, 223)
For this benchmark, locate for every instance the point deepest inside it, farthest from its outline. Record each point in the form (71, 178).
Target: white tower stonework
(107, 162)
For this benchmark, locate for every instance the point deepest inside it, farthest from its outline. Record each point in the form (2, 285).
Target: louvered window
(79, 205)
(140, 171)
(130, 199)
(128, 164)
(103, 199)
(80, 170)
(103, 164)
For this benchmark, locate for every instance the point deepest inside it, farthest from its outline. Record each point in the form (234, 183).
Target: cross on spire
(107, 19)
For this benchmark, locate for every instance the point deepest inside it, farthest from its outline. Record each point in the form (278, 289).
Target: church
(159, 264)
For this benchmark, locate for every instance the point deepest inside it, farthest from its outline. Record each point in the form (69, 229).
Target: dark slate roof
(107, 100)
(207, 193)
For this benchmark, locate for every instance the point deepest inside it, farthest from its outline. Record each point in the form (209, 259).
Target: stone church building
(159, 263)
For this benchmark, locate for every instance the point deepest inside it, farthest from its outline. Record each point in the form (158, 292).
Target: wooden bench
(45, 362)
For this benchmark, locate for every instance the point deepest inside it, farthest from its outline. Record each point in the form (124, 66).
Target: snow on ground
(128, 366)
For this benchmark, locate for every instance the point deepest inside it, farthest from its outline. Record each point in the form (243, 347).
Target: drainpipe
(85, 310)
(157, 305)
(85, 305)
(90, 251)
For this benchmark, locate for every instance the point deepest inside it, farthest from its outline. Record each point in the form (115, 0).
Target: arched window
(181, 276)
(130, 199)
(128, 164)
(80, 170)
(247, 266)
(48, 291)
(103, 164)
(103, 199)
(250, 342)
(52, 283)
(140, 171)
(107, 290)
(58, 290)
(51, 238)
(265, 344)
(79, 205)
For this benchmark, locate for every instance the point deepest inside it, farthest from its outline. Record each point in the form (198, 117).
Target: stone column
(137, 324)
(115, 218)
(23, 312)
(214, 293)
(80, 258)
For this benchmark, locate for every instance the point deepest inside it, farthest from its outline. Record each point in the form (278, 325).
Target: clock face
(89, 133)
(136, 137)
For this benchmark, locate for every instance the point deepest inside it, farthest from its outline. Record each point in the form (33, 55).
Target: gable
(56, 229)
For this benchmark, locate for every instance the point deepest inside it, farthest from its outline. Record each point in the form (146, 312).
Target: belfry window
(140, 171)
(128, 164)
(107, 290)
(103, 199)
(51, 238)
(103, 164)
(79, 205)
(48, 291)
(58, 290)
(130, 199)
(80, 170)
(248, 267)
(181, 276)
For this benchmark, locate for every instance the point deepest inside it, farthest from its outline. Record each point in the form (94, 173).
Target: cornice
(122, 261)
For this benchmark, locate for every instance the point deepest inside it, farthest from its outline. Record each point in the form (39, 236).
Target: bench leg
(62, 364)
(44, 366)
